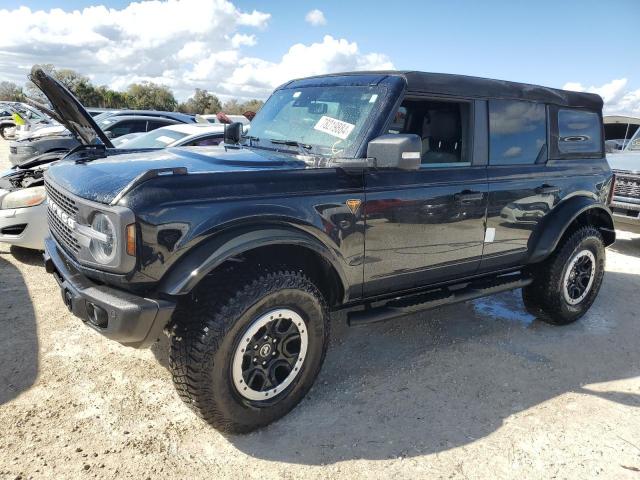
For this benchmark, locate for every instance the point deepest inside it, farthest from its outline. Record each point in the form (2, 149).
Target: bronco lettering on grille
(63, 216)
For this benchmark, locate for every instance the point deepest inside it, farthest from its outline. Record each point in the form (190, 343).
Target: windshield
(326, 120)
(159, 138)
(634, 143)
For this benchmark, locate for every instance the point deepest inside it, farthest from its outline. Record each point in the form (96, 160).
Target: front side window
(517, 132)
(443, 127)
(326, 120)
(578, 131)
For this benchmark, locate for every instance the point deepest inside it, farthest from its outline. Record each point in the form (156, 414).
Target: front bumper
(121, 316)
(626, 216)
(24, 227)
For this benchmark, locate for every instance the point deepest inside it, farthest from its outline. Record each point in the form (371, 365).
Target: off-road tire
(206, 333)
(544, 298)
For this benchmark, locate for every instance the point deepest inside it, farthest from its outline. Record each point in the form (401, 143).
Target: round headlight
(104, 249)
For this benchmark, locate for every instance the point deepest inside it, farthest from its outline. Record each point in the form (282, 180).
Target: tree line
(139, 96)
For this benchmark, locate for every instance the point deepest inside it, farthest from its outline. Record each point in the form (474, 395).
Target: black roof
(477, 87)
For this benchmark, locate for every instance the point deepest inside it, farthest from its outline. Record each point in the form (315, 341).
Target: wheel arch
(273, 245)
(563, 220)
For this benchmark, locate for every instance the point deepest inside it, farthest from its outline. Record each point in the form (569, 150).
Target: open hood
(68, 110)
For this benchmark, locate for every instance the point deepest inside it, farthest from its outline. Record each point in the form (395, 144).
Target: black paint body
(412, 229)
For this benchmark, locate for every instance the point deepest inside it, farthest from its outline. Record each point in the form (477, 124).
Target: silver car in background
(625, 202)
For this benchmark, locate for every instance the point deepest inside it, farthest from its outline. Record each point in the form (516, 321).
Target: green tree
(202, 102)
(151, 96)
(10, 92)
(234, 107)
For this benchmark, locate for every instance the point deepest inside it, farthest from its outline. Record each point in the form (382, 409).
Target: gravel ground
(478, 390)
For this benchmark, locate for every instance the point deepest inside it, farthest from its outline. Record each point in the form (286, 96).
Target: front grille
(63, 234)
(13, 150)
(627, 186)
(63, 201)
(59, 229)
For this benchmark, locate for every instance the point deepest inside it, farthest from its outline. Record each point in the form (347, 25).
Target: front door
(426, 226)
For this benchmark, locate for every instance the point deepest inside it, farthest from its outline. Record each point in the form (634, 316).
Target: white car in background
(23, 211)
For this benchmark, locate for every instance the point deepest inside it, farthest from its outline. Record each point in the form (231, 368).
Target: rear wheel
(243, 361)
(566, 284)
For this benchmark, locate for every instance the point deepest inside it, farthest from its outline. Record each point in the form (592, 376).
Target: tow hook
(68, 300)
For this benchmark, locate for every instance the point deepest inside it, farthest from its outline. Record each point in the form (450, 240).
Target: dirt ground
(478, 390)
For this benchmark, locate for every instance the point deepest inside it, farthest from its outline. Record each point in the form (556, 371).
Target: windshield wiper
(251, 139)
(291, 143)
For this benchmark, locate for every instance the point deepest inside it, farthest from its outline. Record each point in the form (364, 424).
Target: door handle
(467, 196)
(547, 189)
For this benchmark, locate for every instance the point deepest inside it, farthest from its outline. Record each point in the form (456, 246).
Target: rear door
(524, 185)
(427, 225)
(521, 187)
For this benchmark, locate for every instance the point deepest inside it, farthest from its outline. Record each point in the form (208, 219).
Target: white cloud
(512, 152)
(254, 76)
(183, 44)
(617, 98)
(316, 18)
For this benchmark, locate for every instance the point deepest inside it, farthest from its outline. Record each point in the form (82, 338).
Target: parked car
(625, 203)
(59, 138)
(181, 135)
(618, 130)
(241, 251)
(29, 119)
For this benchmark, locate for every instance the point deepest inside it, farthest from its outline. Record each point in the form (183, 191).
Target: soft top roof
(460, 85)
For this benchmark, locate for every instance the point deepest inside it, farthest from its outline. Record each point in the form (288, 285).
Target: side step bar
(403, 306)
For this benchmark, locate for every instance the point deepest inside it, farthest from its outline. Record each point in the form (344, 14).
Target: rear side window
(128, 126)
(517, 132)
(578, 132)
(153, 124)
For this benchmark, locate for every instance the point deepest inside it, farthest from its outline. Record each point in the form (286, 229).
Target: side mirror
(402, 151)
(109, 134)
(233, 133)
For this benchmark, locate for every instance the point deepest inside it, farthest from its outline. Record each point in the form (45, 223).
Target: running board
(400, 307)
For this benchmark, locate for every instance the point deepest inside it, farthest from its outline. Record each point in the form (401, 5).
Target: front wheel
(243, 361)
(566, 285)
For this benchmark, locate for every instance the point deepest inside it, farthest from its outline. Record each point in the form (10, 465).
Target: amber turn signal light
(131, 239)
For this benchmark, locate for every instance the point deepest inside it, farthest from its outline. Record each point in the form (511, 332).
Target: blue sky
(590, 43)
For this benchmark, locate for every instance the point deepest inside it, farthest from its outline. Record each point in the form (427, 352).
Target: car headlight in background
(28, 197)
(103, 245)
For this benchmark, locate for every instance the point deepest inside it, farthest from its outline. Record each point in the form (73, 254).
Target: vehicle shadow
(28, 256)
(445, 378)
(19, 341)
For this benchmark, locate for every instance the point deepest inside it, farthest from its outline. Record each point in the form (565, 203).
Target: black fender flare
(204, 258)
(549, 232)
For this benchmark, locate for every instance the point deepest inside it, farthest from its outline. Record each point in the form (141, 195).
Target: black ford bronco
(377, 193)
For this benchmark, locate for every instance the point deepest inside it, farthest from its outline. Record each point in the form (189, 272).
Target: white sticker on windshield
(164, 139)
(296, 94)
(373, 98)
(334, 127)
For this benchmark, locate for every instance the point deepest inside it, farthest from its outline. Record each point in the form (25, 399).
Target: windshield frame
(353, 150)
